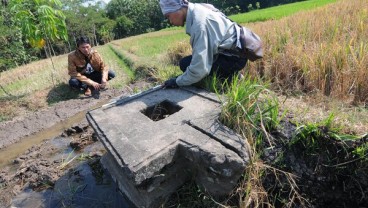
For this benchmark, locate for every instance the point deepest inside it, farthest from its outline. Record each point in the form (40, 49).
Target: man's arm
(202, 59)
(103, 67)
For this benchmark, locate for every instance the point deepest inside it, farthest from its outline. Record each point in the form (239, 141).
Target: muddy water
(9, 153)
(85, 183)
(80, 188)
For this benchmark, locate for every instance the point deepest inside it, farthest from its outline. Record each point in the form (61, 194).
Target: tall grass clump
(253, 111)
(250, 108)
(323, 51)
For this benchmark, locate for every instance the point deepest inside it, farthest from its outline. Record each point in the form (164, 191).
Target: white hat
(168, 6)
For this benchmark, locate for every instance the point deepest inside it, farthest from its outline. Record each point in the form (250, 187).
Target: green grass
(278, 12)
(39, 78)
(250, 108)
(150, 45)
(123, 72)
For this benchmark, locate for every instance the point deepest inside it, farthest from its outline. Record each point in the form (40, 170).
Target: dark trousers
(95, 76)
(225, 67)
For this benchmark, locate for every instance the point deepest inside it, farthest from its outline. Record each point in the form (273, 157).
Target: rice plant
(249, 107)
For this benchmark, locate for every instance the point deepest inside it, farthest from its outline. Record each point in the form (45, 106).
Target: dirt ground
(64, 170)
(14, 130)
(44, 165)
(320, 171)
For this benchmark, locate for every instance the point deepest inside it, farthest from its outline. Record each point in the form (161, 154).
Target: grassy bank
(320, 57)
(42, 83)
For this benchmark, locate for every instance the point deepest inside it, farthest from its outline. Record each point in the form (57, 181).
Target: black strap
(87, 60)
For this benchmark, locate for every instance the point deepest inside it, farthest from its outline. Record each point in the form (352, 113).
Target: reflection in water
(78, 188)
(87, 184)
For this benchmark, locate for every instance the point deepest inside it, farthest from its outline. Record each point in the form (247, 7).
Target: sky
(93, 1)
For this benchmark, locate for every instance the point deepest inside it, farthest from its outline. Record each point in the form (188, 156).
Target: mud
(13, 131)
(54, 151)
(327, 172)
(64, 169)
(62, 172)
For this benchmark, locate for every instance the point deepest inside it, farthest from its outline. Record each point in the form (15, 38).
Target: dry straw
(323, 51)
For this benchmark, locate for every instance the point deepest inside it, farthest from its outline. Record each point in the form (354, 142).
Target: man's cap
(82, 40)
(168, 6)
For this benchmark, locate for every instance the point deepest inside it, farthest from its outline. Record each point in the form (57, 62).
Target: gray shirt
(210, 33)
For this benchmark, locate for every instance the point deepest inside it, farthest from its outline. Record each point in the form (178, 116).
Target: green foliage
(310, 135)
(123, 26)
(12, 50)
(362, 151)
(142, 15)
(249, 107)
(90, 21)
(40, 20)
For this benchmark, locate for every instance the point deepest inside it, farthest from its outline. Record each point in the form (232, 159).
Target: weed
(167, 71)
(311, 135)
(84, 157)
(126, 61)
(253, 111)
(65, 162)
(362, 150)
(254, 193)
(190, 195)
(249, 108)
(67, 198)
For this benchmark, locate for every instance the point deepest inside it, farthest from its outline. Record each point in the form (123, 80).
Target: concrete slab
(160, 138)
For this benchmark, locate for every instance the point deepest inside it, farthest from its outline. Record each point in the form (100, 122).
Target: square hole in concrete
(161, 110)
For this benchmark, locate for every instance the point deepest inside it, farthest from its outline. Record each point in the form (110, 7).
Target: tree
(142, 16)
(123, 26)
(88, 20)
(12, 50)
(41, 22)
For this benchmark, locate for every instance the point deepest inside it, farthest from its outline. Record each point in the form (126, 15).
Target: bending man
(214, 40)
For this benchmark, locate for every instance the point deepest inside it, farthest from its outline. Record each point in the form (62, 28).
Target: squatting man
(86, 68)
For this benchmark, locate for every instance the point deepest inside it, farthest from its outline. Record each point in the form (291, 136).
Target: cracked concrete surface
(161, 138)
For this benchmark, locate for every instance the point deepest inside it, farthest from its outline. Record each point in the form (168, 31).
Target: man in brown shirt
(87, 69)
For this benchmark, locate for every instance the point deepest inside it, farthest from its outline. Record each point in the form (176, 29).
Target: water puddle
(8, 154)
(85, 184)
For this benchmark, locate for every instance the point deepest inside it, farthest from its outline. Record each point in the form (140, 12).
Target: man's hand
(103, 84)
(96, 86)
(170, 83)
